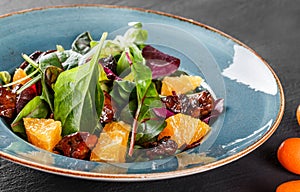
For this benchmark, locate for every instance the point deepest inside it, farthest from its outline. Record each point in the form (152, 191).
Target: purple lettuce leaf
(110, 74)
(163, 112)
(109, 65)
(161, 64)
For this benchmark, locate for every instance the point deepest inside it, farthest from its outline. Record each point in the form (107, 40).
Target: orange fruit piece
(180, 85)
(43, 133)
(288, 154)
(290, 186)
(112, 143)
(20, 74)
(298, 114)
(184, 129)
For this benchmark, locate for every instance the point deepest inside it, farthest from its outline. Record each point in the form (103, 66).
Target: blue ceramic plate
(254, 100)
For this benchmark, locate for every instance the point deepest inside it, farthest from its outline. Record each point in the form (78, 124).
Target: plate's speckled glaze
(253, 95)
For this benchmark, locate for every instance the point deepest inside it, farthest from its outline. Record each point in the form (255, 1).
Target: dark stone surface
(271, 27)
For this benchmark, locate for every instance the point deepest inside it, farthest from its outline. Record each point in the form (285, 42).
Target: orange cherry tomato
(288, 154)
(290, 186)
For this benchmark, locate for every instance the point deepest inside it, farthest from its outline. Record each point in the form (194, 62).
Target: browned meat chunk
(107, 111)
(163, 147)
(77, 145)
(197, 105)
(7, 103)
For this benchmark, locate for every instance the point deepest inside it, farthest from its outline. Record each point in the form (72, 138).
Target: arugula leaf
(75, 96)
(36, 108)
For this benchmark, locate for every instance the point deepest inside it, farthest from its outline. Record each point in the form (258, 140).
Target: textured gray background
(271, 27)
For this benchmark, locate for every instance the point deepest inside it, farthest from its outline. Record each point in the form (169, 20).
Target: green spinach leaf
(82, 43)
(69, 59)
(122, 92)
(48, 80)
(75, 96)
(50, 59)
(150, 129)
(99, 99)
(66, 60)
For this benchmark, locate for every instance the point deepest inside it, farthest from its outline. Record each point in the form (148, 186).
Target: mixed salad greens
(109, 100)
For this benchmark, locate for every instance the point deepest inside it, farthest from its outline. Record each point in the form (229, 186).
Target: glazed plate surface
(254, 100)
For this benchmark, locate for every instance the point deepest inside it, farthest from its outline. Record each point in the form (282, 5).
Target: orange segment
(19, 74)
(112, 143)
(184, 129)
(43, 133)
(180, 85)
(201, 130)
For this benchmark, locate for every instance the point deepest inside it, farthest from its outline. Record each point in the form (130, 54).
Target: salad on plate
(119, 100)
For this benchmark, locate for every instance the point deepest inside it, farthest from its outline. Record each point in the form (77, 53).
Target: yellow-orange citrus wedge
(184, 129)
(43, 133)
(112, 143)
(180, 85)
(19, 74)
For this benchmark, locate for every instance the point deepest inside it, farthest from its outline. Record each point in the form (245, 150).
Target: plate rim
(161, 175)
